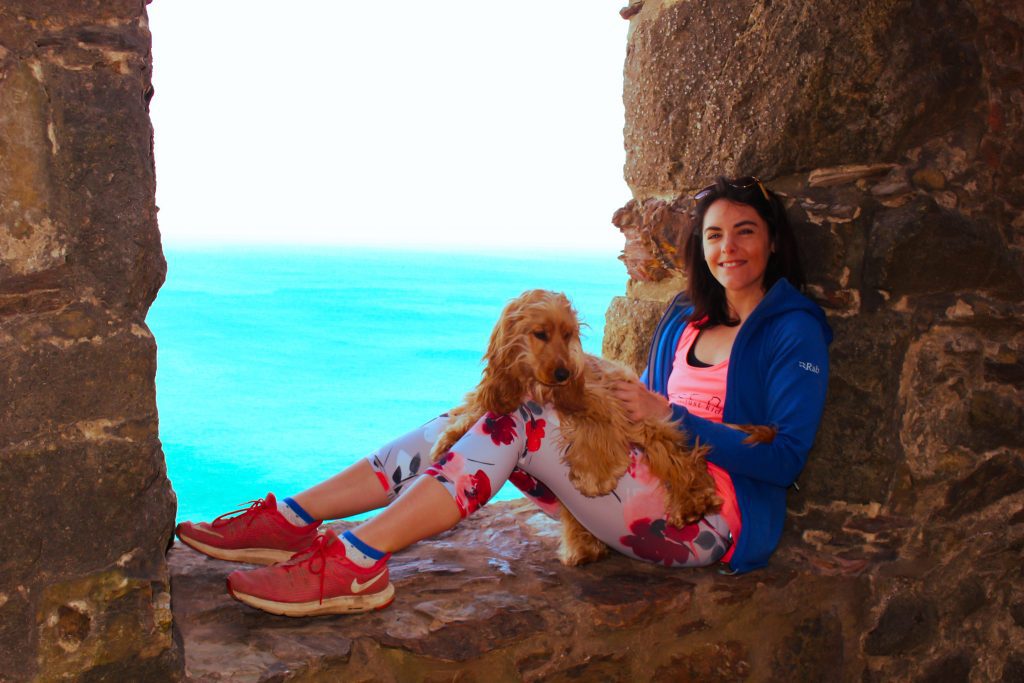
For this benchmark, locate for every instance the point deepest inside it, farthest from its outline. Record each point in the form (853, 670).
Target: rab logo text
(809, 367)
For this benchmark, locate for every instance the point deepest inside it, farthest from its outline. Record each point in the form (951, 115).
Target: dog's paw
(574, 557)
(680, 519)
(577, 550)
(691, 506)
(578, 546)
(590, 485)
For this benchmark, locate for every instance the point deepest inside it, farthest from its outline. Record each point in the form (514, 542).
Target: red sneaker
(319, 580)
(260, 535)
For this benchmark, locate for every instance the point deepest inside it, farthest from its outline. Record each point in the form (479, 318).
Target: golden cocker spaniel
(535, 352)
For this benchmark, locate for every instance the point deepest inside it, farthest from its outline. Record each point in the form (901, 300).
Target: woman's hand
(641, 403)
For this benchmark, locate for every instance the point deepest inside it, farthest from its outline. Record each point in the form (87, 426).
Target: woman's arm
(794, 402)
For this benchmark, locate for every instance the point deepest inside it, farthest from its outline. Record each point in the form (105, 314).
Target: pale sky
(406, 123)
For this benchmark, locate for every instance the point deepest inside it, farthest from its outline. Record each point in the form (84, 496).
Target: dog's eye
(541, 334)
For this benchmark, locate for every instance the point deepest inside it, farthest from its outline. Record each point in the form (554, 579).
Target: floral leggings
(524, 447)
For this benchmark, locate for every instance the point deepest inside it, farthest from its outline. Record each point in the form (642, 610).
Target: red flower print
(639, 469)
(534, 434)
(451, 462)
(681, 534)
(532, 487)
(502, 428)
(631, 470)
(447, 468)
(436, 472)
(658, 541)
(473, 491)
(383, 480)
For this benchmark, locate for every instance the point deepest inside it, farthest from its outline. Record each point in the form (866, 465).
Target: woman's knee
(401, 461)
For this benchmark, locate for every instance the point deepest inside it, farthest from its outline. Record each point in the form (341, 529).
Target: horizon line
(550, 250)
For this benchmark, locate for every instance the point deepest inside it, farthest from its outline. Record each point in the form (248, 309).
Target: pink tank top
(702, 392)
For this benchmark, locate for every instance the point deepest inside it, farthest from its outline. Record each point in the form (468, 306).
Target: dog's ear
(568, 398)
(502, 388)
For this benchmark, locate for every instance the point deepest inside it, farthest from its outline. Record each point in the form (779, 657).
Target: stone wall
(488, 602)
(895, 133)
(86, 510)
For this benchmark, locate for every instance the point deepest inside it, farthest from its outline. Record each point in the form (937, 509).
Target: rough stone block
(773, 88)
(104, 623)
(489, 601)
(993, 480)
(922, 248)
(629, 324)
(87, 509)
(907, 623)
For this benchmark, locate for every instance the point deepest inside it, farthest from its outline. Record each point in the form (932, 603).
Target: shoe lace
(229, 517)
(315, 557)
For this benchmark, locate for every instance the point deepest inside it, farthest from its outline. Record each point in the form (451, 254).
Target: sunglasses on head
(744, 183)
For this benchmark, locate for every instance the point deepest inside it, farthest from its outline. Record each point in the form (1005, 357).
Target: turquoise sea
(277, 367)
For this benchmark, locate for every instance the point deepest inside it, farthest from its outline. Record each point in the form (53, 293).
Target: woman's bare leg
(350, 574)
(354, 490)
(456, 485)
(375, 481)
(425, 509)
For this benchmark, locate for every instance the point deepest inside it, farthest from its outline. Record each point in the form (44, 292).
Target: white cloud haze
(472, 124)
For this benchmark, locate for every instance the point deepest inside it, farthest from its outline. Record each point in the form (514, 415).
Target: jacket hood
(783, 298)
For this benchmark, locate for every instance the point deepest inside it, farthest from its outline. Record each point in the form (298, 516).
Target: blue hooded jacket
(778, 375)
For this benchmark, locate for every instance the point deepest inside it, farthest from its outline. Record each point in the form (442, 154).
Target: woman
(742, 346)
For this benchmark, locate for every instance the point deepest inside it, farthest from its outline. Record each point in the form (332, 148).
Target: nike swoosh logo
(358, 587)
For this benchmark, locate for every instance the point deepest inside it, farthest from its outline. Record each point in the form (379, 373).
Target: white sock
(355, 555)
(289, 514)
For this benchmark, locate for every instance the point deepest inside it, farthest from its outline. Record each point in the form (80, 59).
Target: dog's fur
(535, 351)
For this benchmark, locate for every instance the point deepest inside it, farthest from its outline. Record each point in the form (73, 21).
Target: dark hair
(707, 295)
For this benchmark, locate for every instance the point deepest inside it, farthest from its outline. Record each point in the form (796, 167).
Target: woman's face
(736, 247)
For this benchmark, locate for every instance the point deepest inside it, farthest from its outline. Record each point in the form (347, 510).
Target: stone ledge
(488, 601)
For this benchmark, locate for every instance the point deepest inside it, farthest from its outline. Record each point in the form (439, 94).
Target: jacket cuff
(681, 418)
(679, 414)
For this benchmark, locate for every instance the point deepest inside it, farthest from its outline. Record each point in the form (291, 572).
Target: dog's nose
(562, 374)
